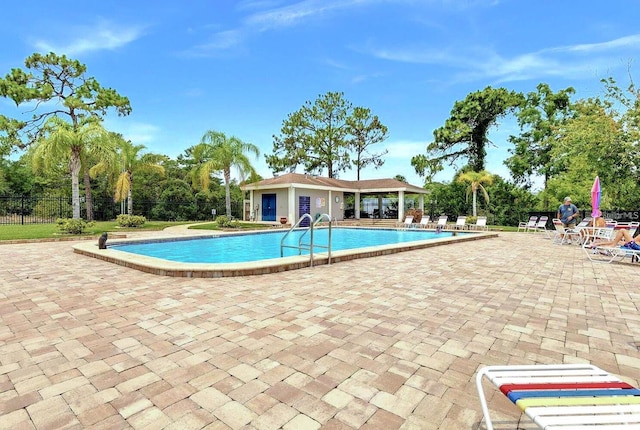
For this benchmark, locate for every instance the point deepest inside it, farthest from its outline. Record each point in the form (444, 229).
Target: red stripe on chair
(506, 388)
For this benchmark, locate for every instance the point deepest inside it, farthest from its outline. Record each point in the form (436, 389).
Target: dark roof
(364, 185)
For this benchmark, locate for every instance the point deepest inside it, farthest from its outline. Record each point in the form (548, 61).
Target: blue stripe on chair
(514, 396)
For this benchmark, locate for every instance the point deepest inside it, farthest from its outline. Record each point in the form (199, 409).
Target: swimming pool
(208, 252)
(266, 245)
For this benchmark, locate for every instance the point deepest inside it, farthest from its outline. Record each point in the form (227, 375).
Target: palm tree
(224, 153)
(64, 142)
(128, 161)
(476, 179)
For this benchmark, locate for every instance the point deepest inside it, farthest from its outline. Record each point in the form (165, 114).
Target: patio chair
(407, 222)
(565, 396)
(608, 254)
(481, 224)
(461, 223)
(541, 225)
(442, 222)
(564, 235)
(528, 225)
(424, 222)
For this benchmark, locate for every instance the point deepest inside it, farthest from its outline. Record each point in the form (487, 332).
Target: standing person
(568, 212)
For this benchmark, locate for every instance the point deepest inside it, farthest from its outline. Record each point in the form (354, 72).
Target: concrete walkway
(382, 343)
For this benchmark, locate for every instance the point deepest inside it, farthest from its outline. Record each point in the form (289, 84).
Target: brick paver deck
(381, 343)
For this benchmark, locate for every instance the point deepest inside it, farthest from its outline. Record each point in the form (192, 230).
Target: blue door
(304, 207)
(268, 207)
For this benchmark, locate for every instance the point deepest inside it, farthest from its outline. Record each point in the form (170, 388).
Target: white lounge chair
(461, 223)
(564, 235)
(407, 222)
(565, 396)
(541, 225)
(528, 225)
(442, 222)
(481, 223)
(424, 222)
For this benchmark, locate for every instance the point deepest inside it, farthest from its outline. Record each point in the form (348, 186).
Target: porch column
(421, 202)
(291, 205)
(252, 211)
(401, 214)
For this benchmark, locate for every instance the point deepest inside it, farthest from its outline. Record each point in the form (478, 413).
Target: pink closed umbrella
(596, 192)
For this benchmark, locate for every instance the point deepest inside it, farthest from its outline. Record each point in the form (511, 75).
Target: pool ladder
(308, 246)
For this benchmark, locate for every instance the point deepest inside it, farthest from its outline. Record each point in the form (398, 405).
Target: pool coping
(161, 267)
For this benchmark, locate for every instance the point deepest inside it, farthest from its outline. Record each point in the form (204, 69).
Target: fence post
(22, 209)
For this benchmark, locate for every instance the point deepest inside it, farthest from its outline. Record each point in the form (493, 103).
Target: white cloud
(575, 62)
(222, 41)
(273, 17)
(83, 39)
(628, 42)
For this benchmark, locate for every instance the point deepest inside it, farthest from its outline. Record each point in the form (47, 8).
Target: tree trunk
(475, 193)
(227, 191)
(88, 195)
(130, 195)
(74, 168)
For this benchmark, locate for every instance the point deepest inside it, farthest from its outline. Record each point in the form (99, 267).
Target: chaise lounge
(565, 396)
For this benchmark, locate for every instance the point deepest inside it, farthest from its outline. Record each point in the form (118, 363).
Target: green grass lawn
(49, 231)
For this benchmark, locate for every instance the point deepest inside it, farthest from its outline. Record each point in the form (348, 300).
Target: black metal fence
(40, 209)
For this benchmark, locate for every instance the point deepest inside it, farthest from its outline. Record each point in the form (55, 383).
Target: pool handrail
(310, 245)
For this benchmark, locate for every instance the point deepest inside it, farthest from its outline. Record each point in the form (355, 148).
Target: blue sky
(241, 67)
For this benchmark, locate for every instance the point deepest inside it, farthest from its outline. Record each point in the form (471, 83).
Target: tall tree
(59, 88)
(128, 161)
(61, 81)
(541, 114)
(225, 153)
(475, 181)
(316, 136)
(366, 130)
(465, 132)
(59, 141)
(592, 144)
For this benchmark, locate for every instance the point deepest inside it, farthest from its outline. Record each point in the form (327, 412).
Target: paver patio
(380, 343)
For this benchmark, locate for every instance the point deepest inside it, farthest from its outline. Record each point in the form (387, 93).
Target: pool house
(287, 197)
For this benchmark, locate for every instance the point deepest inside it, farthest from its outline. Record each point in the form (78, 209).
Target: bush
(130, 220)
(73, 226)
(416, 214)
(223, 221)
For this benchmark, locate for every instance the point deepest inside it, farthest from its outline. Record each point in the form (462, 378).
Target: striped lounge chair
(565, 396)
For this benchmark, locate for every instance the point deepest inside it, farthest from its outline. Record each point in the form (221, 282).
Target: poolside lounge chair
(407, 222)
(442, 222)
(481, 224)
(461, 223)
(565, 396)
(608, 254)
(541, 225)
(564, 235)
(528, 225)
(424, 222)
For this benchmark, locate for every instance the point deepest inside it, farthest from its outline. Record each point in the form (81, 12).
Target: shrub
(415, 213)
(130, 220)
(73, 226)
(223, 221)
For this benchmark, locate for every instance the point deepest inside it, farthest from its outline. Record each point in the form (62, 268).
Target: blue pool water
(263, 246)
